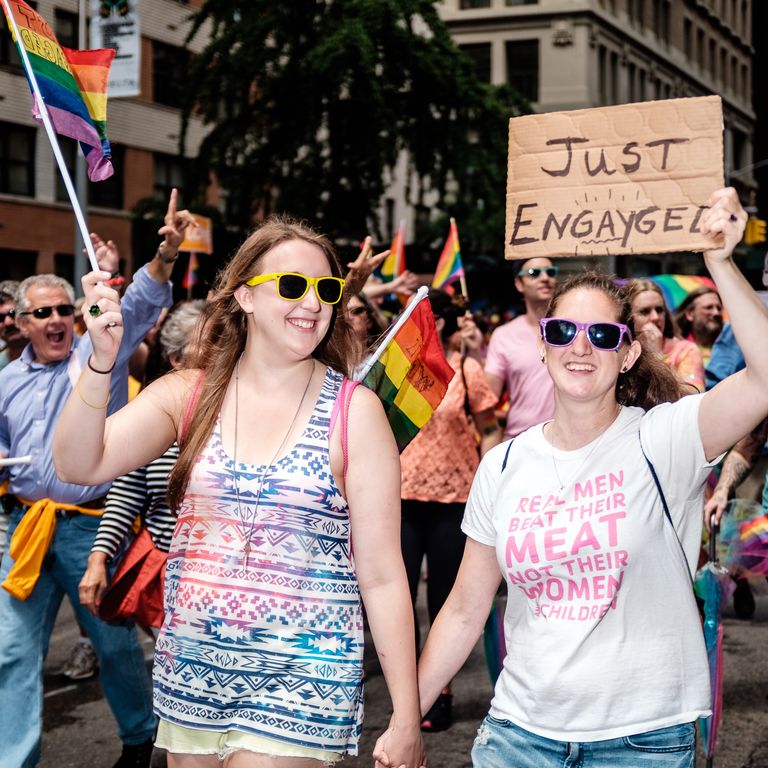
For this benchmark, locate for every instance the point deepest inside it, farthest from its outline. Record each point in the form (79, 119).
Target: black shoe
(135, 755)
(439, 717)
(743, 600)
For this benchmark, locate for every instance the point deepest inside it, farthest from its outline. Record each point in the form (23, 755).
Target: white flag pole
(362, 372)
(46, 118)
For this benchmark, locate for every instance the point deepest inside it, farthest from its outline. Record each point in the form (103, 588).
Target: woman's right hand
(103, 319)
(651, 337)
(94, 582)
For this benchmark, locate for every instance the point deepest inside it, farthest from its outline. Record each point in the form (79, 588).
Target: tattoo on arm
(735, 470)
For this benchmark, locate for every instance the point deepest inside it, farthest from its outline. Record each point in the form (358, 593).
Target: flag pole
(377, 353)
(45, 117)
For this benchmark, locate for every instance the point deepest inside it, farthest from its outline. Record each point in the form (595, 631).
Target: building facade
(37, 227)
(575, 54)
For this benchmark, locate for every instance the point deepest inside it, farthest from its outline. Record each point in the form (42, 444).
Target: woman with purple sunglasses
(594, 521)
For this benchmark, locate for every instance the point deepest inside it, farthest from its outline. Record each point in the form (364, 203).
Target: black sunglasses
(10, 313)
(535, 272)
(41, 313)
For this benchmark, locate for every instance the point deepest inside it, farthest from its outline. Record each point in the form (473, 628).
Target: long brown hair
(639, 285)
(649, 381)
(223, 335)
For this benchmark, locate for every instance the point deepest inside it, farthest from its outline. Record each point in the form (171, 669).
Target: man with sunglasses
(11, 336)
(514, 361)
(53, 523)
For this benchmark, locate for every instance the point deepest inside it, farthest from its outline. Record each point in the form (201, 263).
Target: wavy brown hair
(649, 381)
(223, 335)
(639, 285)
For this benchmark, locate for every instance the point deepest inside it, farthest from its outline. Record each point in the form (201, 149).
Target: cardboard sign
(198, 238)
(613, 180)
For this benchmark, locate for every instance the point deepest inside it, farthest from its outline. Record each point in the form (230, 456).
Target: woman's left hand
(400, 747)
(726, 217)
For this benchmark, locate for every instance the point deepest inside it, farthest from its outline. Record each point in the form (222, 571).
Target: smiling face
(296, 327)
(580, 371)
(706, 318)
(51, 337)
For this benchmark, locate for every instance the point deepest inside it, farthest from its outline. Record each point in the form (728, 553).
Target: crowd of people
(259, 493)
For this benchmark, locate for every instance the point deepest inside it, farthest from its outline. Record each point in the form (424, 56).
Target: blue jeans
(502, 744)
(25, 628)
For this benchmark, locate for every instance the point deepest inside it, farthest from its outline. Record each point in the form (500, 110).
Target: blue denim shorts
(502, 744)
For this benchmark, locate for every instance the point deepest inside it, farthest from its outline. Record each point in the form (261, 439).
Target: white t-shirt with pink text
(602, 630)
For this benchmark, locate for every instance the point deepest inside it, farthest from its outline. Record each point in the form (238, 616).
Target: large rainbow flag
(411, 374)
(73, 85)
(394, 264)
(449, 267)
(676, 287)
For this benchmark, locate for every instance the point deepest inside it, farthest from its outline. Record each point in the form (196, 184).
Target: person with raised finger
(53, 523)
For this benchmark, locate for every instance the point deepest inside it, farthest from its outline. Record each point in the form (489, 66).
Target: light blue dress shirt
(32, 396)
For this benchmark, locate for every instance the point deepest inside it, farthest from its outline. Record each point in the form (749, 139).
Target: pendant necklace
(586, 458)
(247, 545)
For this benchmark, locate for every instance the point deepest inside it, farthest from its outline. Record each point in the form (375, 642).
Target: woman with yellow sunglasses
(285, 470)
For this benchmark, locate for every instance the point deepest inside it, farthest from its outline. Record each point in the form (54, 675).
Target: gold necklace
(586, 458)
(235, 474)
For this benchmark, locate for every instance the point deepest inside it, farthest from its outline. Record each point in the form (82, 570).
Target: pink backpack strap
(341, 406)
(190, 407)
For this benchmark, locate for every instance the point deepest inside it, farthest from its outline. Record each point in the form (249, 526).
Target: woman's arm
(737, 404)
(460, 621)
(373, 493)
(88, 448)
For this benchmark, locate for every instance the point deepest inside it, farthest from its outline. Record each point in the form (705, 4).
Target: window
(69, 150)
(64, 266)
(744, 81)
(65, 27)
(169, 67)
(724, 67)
(700, 47)
(734, 73)
(480, 53)
(661, 12)
(522, 2)
(688, 38)
(16, 265)
(109, 193)
(17, 159)
(466, 5)
(632, 77)
(523, 67)
(169, 173)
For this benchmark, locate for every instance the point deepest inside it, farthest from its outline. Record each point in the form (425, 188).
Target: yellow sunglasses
(293, 286)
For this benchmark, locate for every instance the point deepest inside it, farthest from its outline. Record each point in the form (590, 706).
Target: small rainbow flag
(409, 371)
(676, 287)
(394, 264)
(191, 277)
(449, 267)
(73, 85)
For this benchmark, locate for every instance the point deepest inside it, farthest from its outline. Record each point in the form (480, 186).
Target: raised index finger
(170, 215)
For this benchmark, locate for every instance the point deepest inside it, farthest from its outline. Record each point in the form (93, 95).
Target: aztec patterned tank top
(272, 645)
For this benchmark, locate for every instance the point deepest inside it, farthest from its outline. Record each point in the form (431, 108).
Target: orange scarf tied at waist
(30, 542)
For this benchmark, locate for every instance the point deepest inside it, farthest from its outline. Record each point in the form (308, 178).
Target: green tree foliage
(311, 102)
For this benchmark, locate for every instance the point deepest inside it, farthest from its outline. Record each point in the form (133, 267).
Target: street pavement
(79, 731)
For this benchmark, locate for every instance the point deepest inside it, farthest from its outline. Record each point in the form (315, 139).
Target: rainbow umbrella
(676, 287)
(745, 539)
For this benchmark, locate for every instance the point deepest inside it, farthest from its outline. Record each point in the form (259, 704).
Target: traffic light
(755, 231)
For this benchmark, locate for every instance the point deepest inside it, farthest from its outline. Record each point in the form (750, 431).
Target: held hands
(724, 216)
(400, 747)
(103, 319)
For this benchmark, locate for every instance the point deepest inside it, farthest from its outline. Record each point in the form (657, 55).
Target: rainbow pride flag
(409, 371)
(394, 264)
(73, 86)
(191, 277)
(676, 287)
(449, 267)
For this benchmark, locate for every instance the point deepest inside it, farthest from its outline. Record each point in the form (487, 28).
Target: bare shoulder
(170, 393)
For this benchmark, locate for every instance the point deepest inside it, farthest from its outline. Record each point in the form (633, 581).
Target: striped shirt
(141, 493)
